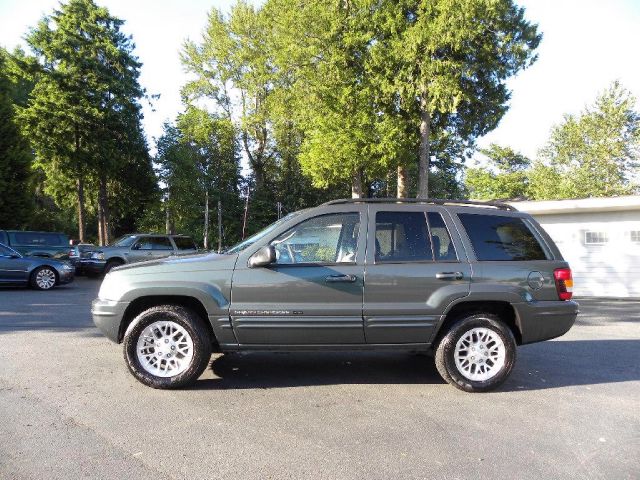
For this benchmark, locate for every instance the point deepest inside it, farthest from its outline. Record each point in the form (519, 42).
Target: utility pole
(246, 210)
(279, 210)
(219, 226)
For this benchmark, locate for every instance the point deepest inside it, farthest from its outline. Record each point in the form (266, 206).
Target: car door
(161, 247)
(12, 268)
(312, 294)
(416, 266)
(141, 250)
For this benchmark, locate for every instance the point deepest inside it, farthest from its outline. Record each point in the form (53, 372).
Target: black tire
(196, 329)
(445, 353)
(44, 270)
(112, 264)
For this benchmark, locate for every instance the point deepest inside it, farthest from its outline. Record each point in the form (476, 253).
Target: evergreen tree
(84, 113)
(16, 197)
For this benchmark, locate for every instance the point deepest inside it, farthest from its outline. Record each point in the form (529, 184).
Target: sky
(587, 44)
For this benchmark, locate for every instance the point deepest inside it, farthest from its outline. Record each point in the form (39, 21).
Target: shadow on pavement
(541, 366)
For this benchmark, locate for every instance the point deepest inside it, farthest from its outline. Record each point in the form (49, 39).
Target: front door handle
(449, 276)
(341, 278)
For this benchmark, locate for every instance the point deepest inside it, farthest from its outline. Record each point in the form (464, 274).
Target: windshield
(124, 241)
(238, 247)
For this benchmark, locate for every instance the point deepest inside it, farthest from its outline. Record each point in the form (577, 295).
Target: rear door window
(499, 238)
(443, 249)
(402, 237)
(160, 243)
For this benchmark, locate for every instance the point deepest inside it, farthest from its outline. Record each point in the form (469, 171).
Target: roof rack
(433, 201)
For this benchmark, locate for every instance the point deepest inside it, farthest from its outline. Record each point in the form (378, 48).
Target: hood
(187, 263)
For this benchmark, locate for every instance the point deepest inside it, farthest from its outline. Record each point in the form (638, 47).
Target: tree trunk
(403, 180)
(219, 226)
(206, 220)
(81, 209)
(356, 185)
(103, 212)
(169, 226)
(423, 162)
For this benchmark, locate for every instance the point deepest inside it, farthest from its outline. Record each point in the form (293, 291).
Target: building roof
(603, 204)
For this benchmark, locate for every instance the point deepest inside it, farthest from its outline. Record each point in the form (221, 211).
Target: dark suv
(465, 281)
(37, 244)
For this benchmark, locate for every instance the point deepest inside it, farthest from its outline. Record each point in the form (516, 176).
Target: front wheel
(111, 264)
(477, 354)
(43, 278)
(167, 347)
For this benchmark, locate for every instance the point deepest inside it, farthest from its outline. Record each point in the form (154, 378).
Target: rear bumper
(107, 316)
(540, 321)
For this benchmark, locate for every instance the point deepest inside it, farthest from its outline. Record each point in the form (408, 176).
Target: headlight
(97, 256)
(67, 267)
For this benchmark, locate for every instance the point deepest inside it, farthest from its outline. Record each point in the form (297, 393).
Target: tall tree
(16, 203)
(446, 62)
(593, 154)
(84, 112)
(231, 57)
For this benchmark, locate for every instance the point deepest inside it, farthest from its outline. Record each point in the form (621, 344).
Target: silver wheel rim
(45, 279)
(480, 354)
(164, 349)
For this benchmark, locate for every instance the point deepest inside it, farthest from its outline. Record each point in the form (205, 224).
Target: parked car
(39, 272)
(37, 244)
(136, 248)
(465, 281)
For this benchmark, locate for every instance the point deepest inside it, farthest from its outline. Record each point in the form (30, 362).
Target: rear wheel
(43, 278)
(167, 347)
(477, 354)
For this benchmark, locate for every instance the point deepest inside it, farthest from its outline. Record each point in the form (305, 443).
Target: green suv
(465, 281)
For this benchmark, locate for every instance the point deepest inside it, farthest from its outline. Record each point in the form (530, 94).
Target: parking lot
(70, 409)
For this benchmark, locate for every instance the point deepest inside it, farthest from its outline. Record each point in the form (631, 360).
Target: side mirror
(263, 257)
(136, 246)
(14, 255)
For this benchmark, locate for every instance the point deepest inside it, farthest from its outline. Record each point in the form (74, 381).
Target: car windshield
(124, 241)
(238, 247)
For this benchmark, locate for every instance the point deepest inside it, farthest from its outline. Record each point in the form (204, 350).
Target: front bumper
(92, 266)
(65, 276)
(107, 316)
(544, 320)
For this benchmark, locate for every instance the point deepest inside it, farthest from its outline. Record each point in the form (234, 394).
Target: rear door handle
(341, 278)
(449, 276)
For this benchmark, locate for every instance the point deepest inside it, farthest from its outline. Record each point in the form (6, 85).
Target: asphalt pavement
(70, 409)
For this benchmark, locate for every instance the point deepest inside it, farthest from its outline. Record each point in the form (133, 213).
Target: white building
(599, 237)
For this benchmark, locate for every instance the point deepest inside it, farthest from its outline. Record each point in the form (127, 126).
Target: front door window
(326, 239)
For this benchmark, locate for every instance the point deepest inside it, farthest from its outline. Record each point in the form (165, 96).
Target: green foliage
(198, 165)
(16, 196)
(593, 154)
(504, 176)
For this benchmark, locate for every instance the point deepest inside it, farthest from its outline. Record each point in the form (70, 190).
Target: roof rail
(433, 201)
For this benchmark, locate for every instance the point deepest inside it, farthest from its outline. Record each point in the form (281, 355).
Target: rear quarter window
(38, 239)
(184, 243)
(498, 238)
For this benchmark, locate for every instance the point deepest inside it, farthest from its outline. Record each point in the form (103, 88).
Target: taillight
(564, 283)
